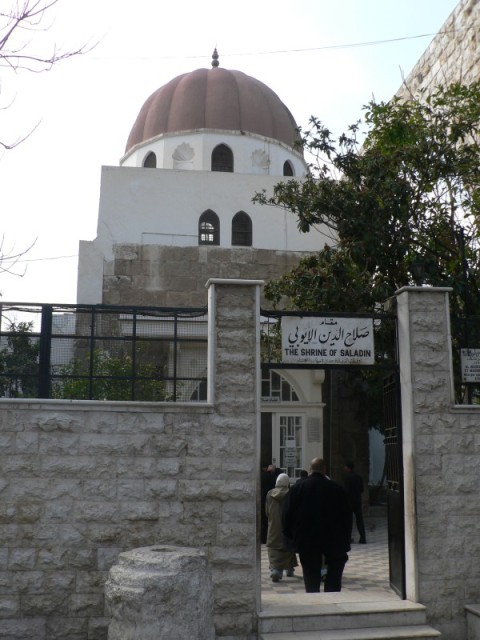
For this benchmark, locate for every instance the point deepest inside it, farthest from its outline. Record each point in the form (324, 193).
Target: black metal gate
(394, 476)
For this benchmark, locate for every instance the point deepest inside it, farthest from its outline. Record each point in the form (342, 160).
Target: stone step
(417, 632)
(473, 621)
(308, 615)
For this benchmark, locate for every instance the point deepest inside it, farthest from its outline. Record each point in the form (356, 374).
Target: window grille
(103, 352)
(275, 387)
(241, 230)
(209, 228)
(222, 159)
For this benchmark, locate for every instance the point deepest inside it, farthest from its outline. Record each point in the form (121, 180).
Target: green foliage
(400, 188)
(19, 363)
(113, 378)
(106, 377)
(410, 190)
(320, 282)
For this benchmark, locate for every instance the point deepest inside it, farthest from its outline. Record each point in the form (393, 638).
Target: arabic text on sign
(328, 340)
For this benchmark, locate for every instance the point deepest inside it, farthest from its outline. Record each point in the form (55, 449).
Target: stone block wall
(82, 481)
(441, 447)
(157, 275)
(453, 55)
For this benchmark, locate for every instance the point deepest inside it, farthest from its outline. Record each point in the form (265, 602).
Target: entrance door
(288, 443)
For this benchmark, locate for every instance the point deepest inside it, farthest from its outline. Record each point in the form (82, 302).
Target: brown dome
(214, 99)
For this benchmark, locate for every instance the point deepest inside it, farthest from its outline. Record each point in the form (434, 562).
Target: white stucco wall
(192, 150)
(162, 207)
(142, 206)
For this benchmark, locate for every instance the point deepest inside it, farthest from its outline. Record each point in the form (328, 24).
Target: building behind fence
(96, 352)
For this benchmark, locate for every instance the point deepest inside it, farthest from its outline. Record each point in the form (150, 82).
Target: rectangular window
(290, 441)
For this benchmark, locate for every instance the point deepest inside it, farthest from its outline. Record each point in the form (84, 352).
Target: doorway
(341, 434)
(282, 442)
(377, 566)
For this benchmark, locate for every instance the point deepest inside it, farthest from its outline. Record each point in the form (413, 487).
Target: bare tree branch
(12, 145)
(18, 51)
(9, 259)
(17, 29)
(20, 25)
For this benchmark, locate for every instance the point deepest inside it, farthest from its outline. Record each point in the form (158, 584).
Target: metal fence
(100, 352)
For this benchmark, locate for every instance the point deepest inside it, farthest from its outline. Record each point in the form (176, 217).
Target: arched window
(150, 161)
(288, 168)
(276, 387)
(241, 230)
(200, 393)
(209, 228)
(222, 158)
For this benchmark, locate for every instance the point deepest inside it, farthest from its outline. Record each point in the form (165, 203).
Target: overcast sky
(323, 58)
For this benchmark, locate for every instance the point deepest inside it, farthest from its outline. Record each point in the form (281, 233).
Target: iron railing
(103, 352)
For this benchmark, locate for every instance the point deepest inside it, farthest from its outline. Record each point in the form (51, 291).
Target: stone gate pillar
(426, 400)
(234, 392)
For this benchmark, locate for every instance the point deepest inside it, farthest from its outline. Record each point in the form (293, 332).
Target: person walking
(268, 478)
(280, 558)
(354, 487)
(317, 519)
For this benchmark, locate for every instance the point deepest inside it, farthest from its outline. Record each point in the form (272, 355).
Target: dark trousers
(264, 527)
(335, 567)
(311, 561)
(358, 513)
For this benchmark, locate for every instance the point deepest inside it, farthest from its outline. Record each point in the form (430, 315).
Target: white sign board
(470, 361)
(327, 340)
(290, 453)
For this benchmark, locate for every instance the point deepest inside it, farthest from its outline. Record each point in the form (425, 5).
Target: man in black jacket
(354, 488)
(317, 521)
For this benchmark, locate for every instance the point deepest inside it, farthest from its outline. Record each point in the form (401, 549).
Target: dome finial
(215, 61)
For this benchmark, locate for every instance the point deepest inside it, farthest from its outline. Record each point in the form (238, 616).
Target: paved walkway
(366, 569)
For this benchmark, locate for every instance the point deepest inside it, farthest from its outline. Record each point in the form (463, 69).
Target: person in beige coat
(280, 558)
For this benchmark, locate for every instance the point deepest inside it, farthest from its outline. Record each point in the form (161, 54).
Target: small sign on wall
(470, 363)
(335, 340)
(290, 453)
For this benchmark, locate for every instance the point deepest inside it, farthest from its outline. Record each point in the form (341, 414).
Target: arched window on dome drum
(222, 158)
(209, 228)
(288, 168)
(150, 161)
(241, 230)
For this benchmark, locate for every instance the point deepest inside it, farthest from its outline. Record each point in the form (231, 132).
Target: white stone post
(160, 593)
(234, 363)
(426, 393)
